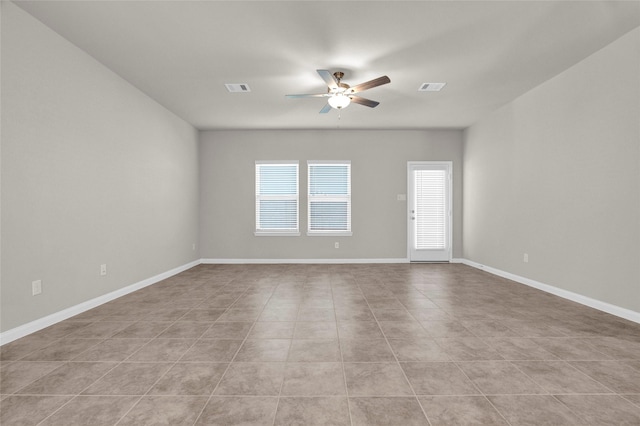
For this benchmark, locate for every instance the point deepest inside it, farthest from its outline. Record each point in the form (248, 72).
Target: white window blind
(431, 209)
(277, 198)
(329, 198)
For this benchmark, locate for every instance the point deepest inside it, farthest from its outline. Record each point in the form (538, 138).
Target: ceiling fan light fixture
(339, 95)
(339, 101)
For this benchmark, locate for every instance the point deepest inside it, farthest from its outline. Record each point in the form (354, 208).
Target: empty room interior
(320, 213)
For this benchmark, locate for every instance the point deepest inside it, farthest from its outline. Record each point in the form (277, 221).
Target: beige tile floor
(327, 345)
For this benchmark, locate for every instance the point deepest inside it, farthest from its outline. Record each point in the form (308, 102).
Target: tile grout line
(354, 396)
(455, 362)
(159, 362)
(565, 362)
(286, 362)
(415, 396)
(483, 394)
(637, 404)
(229, 364)
(234, 355)
(85, 388)
(172, 365)
(166, 372)
(79, 393)
(344, 374)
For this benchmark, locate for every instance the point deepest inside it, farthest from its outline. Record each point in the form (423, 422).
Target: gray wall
(556, 174)
(379, 174)
(93, 172)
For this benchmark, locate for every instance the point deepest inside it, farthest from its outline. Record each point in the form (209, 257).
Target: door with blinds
(429, 210)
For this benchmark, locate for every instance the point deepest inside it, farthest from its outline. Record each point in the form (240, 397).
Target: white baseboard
(44, 322)
(309, 261)
(565, 294)
(39, 324)
(300, 261)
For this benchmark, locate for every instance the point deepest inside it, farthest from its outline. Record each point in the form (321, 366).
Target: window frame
(315, 198)
(281, 232)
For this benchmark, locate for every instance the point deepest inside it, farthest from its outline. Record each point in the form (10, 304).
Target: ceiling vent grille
(431, 87)
(237, 87)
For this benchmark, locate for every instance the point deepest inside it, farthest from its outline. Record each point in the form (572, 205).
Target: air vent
(431, 87)
(237, 88)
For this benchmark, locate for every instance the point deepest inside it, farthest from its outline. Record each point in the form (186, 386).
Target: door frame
(449, 237)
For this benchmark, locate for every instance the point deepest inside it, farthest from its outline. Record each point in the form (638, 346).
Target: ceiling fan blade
(370, 84)
(328, 78)
(325, 109)
(364, 101)
(318, 95)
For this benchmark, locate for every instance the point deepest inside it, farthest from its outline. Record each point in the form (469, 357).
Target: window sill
(330, 234)
(276, 234)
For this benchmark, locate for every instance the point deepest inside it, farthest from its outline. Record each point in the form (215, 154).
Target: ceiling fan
(340, 94)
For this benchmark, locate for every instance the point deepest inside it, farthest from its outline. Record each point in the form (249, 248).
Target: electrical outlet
(336, 245)
(103, 269)
(193, 246)
(402, 197)
(525, 258)
(36, 287)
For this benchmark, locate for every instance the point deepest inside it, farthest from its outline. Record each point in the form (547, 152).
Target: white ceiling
(181, 53)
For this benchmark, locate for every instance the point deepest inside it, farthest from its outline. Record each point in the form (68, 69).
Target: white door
(429, 209)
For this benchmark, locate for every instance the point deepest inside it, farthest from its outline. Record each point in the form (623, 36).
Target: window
(329, 188)
(277, 198)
